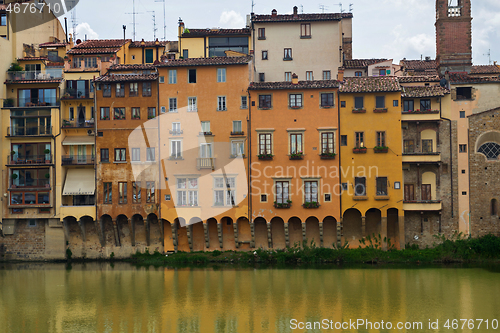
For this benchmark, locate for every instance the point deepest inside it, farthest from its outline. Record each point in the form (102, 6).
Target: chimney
(295, 79)
(295, 11)
(274, 13)
(340, 75)
(181, 27)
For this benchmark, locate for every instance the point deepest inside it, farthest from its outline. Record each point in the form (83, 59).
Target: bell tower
(453, 36)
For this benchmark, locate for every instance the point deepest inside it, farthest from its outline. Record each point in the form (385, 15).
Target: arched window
(490, 149)
(494, 207)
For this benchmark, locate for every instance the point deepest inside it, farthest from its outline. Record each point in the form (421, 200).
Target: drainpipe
(451, 158)
(249, 128)
(159, 154)
(95, 152)
(54, 156)
(339, 154)
(124, 46)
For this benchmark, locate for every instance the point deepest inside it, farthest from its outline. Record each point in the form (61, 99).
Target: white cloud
(232, 19)
(84, 29)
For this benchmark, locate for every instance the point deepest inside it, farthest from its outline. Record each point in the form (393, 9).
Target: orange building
(294, 185)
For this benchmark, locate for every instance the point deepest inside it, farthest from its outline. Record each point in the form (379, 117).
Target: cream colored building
(313, 46)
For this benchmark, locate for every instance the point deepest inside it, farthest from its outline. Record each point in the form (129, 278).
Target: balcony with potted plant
(265, 157)
(312, 204)
(297, 156)
(286, 204)
(380, 149)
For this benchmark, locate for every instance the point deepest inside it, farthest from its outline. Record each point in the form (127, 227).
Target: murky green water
(123, 298)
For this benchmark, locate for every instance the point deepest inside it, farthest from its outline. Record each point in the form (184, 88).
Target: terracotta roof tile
(147, 44)
(216, 32)
(126, 78)
(370, 84)
(487, 69)
(34, 81)
(32, 58)
(122, 67)
(49, 44)
(419, 65)
(212, 61)
(360, 63)
(289, 85)
(467, 79)
(301, 17)
(418, 78)
(98, 46)
(418, 92)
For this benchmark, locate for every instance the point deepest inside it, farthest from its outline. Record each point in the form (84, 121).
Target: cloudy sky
(381, 29)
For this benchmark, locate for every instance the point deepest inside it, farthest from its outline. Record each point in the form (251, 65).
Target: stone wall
(27, 242)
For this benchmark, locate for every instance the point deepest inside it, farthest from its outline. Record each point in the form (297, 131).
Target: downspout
(249, 128)
(159, 154)
(451, 159)
(253, 45)
(340, 159)
(95, 149)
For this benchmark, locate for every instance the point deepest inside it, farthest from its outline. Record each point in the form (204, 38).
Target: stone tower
(453, 36)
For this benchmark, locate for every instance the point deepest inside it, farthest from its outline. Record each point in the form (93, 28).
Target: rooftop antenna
(350, 7)
(164, 20)
(340, 5)
(154, 24)
(301, 9)
(253, 5)
(133, 15)
(489, 56)
(323, 7)
(74, 22)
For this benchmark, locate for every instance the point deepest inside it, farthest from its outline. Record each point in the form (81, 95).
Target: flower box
(295, 107)
(311, 205)
(359, 150)
(265, 157)
(379, 150)
(327, 156)
(299, 156)
(380, 110)
(283, 205)
(358, 110)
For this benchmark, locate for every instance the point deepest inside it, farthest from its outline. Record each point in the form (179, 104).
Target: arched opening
(73, 235)
(428, 141)
(278, 233)
(213, 234)
(393, 227)
(197, 234)
(312, 231)
(428, 186)
(168, 241)
(488, 144)
(352, 227)
(108, 230)
(227, 234)
(244, 233)
(182, 237)
(139, 231)
(154, 233)
(494, 207)
(91, 233)
(260, 233)
(123, 230)
(373, 222)
(329, 231)
(295, 232)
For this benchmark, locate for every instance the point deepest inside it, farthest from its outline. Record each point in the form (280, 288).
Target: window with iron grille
(221, 103)
(490, 149)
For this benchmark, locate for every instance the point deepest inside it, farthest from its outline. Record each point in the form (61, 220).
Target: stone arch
(154, 233)
(227, 234)
(73, 235)
(352, 227)
(123, 230)
(373, 221)
(244, 233)
(260, 233)
(490, 136)
(197, 234)
(278, 233)
(139, 231)
(182, 236)
(329, 231)
(429, 134)
(428, 178)
(393, 227)
(312, 231)
(295, 236)
(168, 241)
(108, 231)
(213, 234)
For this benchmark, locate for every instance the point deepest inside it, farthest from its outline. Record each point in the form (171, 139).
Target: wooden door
(426, 192)
(409, 192)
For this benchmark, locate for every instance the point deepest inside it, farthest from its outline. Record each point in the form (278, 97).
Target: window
(309, 76)
(408, 105)
(217, 46)
(149, 56)
(360, 142)
(134, 89)
(395, 102)
(425, 105)
(192, 104)
(172, 76)
(462, 114)
(187, 192)
(237, 126)
(462, 148)
(426, 193)
(264, 101)
(408, 146)
(288, 76)
(381, 139)
(185, 54)
(150, 192)
(136, 192)
(221, 75)
(206, 150)
(264, 55)
(265, 144)
(311, 191)
(327, 75)
(244, 102)
(161, 79)
(262, 33)
(359, 186)
(104, 155)
(296, 143)
(237, 148)
(379, 102)
(191, 75)
(427, 146)
(381, 72)
(146, 89)
(409, 194)
(224, 191)
(151, 113)
(342, 104)
(263, 198)
(136, 154)
(119, 114)
(205, 126)
(120, 154)
(358, 103)
(358, 73)
(490, 149)
(176, 128)
(120, 90)
(71, 113)
(305, 30)
(287, 54)
(172, 104)
(108, 193)
(281, 192)
(295, 100)
(122, 192)
(221, 103)
(327, 143)
(262, 77)
(381, 185)
(150, 154)
(3, 19)
(343, 140)
(106, 90)
(327, 100)
(464, 93)
(176, 149)
(136, 113)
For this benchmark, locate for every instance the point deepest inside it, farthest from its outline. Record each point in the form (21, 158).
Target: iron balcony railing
(29, 159)
(70, 93)
(30, 102)
(48, 74)
(76, 123)
(29, 131)
(31, 183)
(77, 159)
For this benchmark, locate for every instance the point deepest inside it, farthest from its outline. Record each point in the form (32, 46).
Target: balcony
(205, 163)
(421, 157)
(176, 132)
(29, 159)
(29, 131)
(430, 205)
(418, 115)
(30, 183)
(77, 94)
(48, 74)
(30, 102)
(77, 160)
(75, 123)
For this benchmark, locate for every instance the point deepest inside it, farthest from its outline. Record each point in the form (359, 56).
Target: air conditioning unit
(91, 132)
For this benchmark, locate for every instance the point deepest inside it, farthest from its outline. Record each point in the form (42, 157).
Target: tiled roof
(122, 67)
(49, 44)
(212, 61)
(289, 85)
(98, 46)
(419, 65)
(126, 78)
(369, 84)
(466, 79)
(34, 81)
(147, 44)
(301, 17)
(32, 58)
(417, 92)
(360, 63)
(487, 69)
(418, 78)
(215, 32)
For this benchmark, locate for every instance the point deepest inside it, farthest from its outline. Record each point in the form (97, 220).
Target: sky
(392, 29)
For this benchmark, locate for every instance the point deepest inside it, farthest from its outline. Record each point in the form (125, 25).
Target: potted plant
(358, 110)
(381, 149)
(359, 150)
(288, 204)
(380, 110)
(8, 102)
(297, 156)
(47, 176)
(327, 156)
(47, 155)
(311, 204)
(14, 176)
(265, 156)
